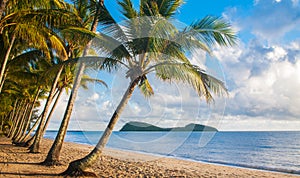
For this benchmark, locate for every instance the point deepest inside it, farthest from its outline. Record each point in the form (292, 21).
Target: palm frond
(168, 8)
(25, 57)
(86, 78)
(212, 31)
(58, 45)
(189, 43)
(23, 77)
(32, 35)
(163, 8)
(54, 18)
(16, 5)
(128, 9)
(78, 35)
(111, 46)
(94, 62)
(203, 83)
(145, 87)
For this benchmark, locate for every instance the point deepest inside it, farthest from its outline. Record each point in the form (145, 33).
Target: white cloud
(275, 89)
(94, 97)
(264, 80)
(294, 45)
(277, 53)
(198, 58)
(245, 123)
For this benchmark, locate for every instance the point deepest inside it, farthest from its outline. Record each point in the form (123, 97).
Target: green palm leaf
(145, 87)
(127, 9)
(212, 31)
(203, 83)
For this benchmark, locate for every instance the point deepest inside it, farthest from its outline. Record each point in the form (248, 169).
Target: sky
(262, 74)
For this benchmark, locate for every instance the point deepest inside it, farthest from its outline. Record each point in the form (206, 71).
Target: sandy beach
(17, 162)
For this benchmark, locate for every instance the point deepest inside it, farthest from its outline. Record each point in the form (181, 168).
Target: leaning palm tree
(148, 42)
(89, 12)
(67, 48)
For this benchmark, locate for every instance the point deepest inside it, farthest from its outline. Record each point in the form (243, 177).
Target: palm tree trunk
(12, 117)
(24, 139)
(17, 120)
(21, 128)
(3, 80)
(22, 125)
(54, 152)
(6, 57)
(25, 143)
(30, 141)
(30, 114)
(2, 122)
(35, 148)
(27, 121)
(78, 167)
(52, 110)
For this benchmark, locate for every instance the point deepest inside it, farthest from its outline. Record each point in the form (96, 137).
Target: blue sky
(262, 74)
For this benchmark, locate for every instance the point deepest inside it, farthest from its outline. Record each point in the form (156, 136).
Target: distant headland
(142, 127)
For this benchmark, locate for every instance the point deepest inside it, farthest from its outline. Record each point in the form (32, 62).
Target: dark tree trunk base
(33, 149)
(30, 147)
(77, 173)
(51, 163)
(22, 144)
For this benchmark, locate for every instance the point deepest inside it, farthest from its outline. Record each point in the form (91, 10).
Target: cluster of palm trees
(42, 42)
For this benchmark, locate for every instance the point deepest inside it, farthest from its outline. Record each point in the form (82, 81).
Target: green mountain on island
(141, 126)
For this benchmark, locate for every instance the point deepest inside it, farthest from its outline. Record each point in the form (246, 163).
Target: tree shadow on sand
(20, 163)
(28, 174)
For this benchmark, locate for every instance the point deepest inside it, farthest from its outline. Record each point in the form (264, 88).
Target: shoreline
(259, 168)
(16, 161)
(235, 165)
(247, 167)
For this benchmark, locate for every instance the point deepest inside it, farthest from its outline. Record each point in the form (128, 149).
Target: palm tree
(89, 11)
(25, 77)
(149, 42)
(67, 48)
(33, 23)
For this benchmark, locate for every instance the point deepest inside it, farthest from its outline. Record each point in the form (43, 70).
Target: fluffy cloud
(264, 80)
(262, 73)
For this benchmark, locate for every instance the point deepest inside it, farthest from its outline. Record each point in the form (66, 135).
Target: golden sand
(17, 162)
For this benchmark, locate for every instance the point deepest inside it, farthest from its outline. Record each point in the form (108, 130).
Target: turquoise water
(277, 151)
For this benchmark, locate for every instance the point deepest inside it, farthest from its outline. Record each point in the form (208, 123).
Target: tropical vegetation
(46, 45)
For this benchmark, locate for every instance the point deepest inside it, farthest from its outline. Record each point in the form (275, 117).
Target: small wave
(282, 170)
(265, 146)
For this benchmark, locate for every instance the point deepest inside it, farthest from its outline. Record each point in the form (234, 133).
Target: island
(145, 127)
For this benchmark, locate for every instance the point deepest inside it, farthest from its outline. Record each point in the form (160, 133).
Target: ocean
(274, 151)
